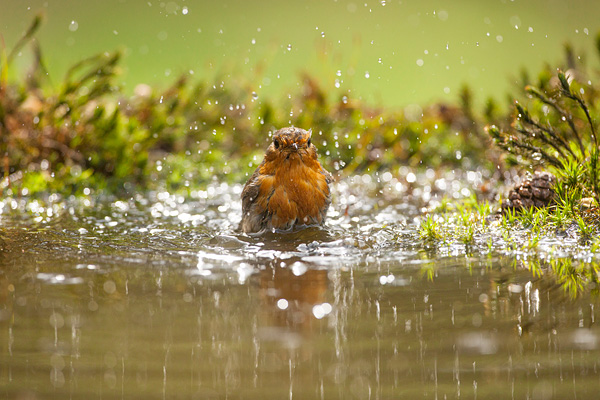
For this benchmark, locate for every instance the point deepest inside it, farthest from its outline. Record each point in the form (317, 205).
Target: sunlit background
(385, 52)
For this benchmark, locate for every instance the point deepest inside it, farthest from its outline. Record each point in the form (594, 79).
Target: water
(160, 297)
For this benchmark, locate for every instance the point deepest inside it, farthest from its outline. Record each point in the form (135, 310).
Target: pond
(161, 297)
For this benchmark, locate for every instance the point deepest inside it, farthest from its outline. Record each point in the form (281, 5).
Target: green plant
(586, 230)
(561, 215)
(533, 241)
(483, 208)
(509, 218)
(527, 216)
(468, 235)
(540, 219)
(557, 130)
(429, 228)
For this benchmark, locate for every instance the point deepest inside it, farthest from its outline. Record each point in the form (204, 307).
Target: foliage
(462, 223)
(557, 129)
(87, 133)
(429, 228)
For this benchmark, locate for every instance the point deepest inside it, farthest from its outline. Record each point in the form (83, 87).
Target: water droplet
(282, 304)
(321, 310)
(367, 75)
(515, 21)
(73, 26)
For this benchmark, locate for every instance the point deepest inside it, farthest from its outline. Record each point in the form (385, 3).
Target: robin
(289, 188)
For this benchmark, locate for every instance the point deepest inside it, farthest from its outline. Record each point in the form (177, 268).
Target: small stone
(587, 203)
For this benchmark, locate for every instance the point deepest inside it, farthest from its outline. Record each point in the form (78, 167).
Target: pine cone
(534, 192)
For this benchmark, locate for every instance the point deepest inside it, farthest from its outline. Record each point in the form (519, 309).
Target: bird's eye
(276, 143)
(308, 143)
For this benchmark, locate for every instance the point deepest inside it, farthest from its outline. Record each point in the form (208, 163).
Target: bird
(289, 189)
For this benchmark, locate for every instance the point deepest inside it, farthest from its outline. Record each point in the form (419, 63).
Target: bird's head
(291, 144)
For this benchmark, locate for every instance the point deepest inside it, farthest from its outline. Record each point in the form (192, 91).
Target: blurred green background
(385, 52)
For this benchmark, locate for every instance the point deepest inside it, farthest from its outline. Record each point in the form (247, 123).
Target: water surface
(160, 297)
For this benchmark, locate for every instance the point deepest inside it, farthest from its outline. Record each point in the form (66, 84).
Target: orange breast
(299, 196)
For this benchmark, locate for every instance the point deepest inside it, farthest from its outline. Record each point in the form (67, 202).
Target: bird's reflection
(294, 296)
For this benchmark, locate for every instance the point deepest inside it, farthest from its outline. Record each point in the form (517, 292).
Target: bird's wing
(250, 192)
